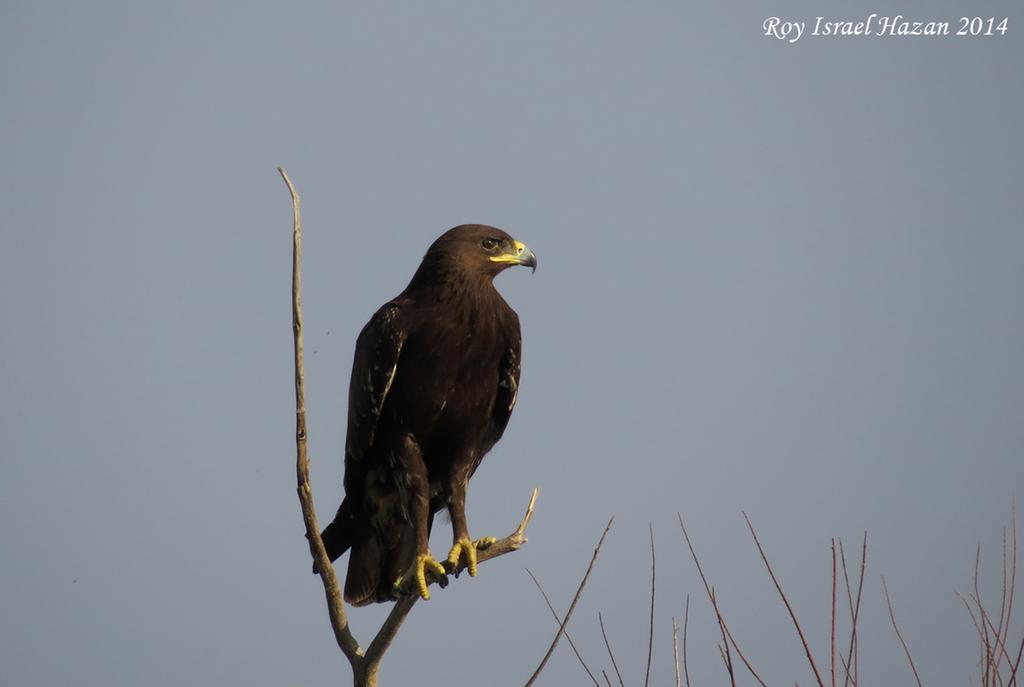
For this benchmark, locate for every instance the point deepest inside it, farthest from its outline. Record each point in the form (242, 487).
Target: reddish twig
(558, 620)
(726, 658)
(723, 627)
(899, 635)
(833, 644)
(796, 623)
(572, 607)
(686, 622)
(650, 636)
(608, 646)
(851, 657)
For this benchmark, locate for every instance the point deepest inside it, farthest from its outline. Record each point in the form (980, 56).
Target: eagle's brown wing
(375, 364)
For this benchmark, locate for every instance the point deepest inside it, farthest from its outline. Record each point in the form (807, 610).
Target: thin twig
(723, 627)
(970, 611)
(892, 617)
(686, 622)
(856, 616)
(572, 606)
(833, 645)
(675, 648)
(977, 627)
(739, 653)
(1002, 600)
(846, 667)
(608, 646)
(606, 680)
(850, 664)
(987, 664)
(726, 657)
(558, 621)
(1000, 644)
(800, 632)
(1016, 664)
(1013, 581)
(1013, 585)
(650, 636)
(849, 602)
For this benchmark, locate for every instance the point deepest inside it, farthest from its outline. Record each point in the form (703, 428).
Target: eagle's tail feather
(364, 568)
(337, 536)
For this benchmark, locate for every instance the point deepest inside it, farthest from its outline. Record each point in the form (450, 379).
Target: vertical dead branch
(800, 632)
(850, 664)
(650, 636)
(572, 606)
(832, 661)
(686, 622)
(987, 663)
(675, 648)
(892, 617)
(339, 622)
(1013, 586)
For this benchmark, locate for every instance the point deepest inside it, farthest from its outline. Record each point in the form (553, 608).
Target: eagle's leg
(424, 569)
(464, 549)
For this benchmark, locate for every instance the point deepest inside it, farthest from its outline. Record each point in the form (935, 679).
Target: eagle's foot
(465, 549)
(415, 579)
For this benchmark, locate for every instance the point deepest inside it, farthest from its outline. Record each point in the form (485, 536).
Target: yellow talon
(467, 548)
(421, 566)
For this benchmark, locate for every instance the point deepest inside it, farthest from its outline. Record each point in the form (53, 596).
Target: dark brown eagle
(434, 382)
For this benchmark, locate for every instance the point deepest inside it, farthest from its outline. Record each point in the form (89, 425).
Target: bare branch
(686, 622)
(832, 662)
(608, 646)
(892, 617)
(987, 664)
(739, 653)
(675, 648)
(850, 664)
(339, 622)
(726, 658)
(572, 606)
(1013, 585)
(650, 636)
(558, 621)
(807, 649)
(1000, 644)
(1016, 664)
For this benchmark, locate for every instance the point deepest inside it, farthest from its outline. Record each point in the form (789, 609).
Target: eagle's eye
(489, 244)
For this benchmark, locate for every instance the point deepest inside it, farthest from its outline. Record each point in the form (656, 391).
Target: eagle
(434, 381)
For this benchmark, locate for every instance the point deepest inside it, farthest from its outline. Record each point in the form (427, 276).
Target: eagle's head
(478, 250)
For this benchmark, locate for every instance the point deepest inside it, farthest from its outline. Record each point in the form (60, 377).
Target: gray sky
(780, 278)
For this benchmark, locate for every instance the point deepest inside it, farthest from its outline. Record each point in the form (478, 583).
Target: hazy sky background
(777, 278)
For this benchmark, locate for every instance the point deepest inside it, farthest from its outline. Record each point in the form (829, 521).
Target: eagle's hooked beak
(519, 255)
